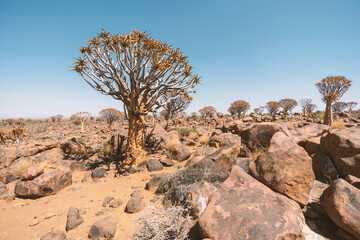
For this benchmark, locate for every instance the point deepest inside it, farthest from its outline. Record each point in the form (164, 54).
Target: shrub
(184, 132)
(83, 139)
(204, 140)
(318, 116)
(19, 166)
(160, 223)
(77, 121)
(193, 136)
(338, 125)
(172, 142)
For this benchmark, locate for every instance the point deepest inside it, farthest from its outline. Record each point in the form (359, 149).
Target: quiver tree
(304, 104)
(176, 105)
(310, 108)
(207, 111)
(82, 117)
(288, 104)
(111, 115)
(350, 106)
(139, 71)
(3, 137)
(272, 107)
(332, 88)
(59, 117)
(339, 107)
(238, 107)
(259, 110)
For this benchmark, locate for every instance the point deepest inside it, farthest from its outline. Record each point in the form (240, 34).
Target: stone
(179, 152)
(312, 145)
(98, 173)
(54, 235)
(341, 201)
(53, 155)
(323, 167)
(116, 203)
(102, 229)
(154, 165)
(243, 208)
(308, 131)
(350, 179)
(167, 162)
(343, 146)
(31, 173)
(224, 139)
(198, 196)
(137, 194)
(155, 181)
(50, 182)
(107, 201)
(73, 219)
(6, 176)
(135, 205)
(286, 168)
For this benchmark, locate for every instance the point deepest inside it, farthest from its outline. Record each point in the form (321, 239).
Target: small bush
(77, 121)
(172, 142)
(82, 139)
(204, 140)
(19, 166)
(160, 223)
(317, 116)
(338, 125)
(193, 136)
(184, 132)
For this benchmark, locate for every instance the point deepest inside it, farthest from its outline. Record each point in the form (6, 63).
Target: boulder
(53, 155)
(98, 172)
(116, 203)
(179, 152)
(167, 162)
(323, 167)
(353, 181)
(223, 140)
(344, 148)
(308, 131)
(107, 201)
(286, 168)
(341, 201)
(31, 173)
(54, 235)
(243, 208)
(102, 229)
(258, 136)
(154, 165)
(155, 181)
(73, 219)
(50, 182)
(134, 205)
(312, 145)
(158, 137)
(198, 197)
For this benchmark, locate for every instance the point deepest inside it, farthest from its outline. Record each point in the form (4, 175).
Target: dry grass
(193, 136)
(19, 166)
(204, 140)
(172, 142)
(255, 154)
(338, 125)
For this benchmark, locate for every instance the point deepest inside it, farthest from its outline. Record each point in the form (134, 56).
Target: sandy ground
(17, 215)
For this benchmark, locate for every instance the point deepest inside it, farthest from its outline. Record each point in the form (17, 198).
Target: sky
(252, 50)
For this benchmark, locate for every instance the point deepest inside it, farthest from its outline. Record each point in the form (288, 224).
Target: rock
(159, 137)
(167, 162)
(344, 148)
(137, 194)
(198, 196)
(243, 208)
(243, 163)
(53, 155)
(323, 167)
(203, 151)
(154, 165)
(193, 160)
(224, 139)
(308, 131)
(102, 229)
(179, 152)
(341, 201)
(309, 212)
(247, 119)
(31, 173)
(258, 136)
(73, 219)
(107, 201)
(350, 179)
(135, 205)
(50, 182)
(286, 168)
(98, 173)
(6, 176)
(54, 235)
(312, 145)
(155, 181)
(74, 149)
(116, 203)
(317, 190)
(131, 170)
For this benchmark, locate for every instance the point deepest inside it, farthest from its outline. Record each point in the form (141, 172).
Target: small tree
(304, 104)
(139, 71)
(111, 115)
(310, 108)
(259, 110)
(288, 104)
(238, 107)
(207, 111)
(272, 107)
(59, 117)
(339, 107)
(350, 106)
(175, 106)
(82, 117)
(53, 118)
(332, 89)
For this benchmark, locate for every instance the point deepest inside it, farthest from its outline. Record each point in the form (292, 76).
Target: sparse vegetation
(18, 167)
(337, 125)
(193, 136)
(204, 140)
(184, 132)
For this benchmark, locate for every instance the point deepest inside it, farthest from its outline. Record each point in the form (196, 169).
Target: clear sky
(253, 50)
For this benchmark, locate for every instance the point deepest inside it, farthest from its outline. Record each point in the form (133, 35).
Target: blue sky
(253, 50)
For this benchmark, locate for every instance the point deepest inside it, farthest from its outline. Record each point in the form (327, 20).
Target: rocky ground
(261, 177)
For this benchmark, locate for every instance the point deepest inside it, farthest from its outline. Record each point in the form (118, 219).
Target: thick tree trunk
(328, 118)
(135, 153)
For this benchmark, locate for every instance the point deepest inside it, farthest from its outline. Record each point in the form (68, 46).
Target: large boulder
(344, 148)
(243, 208)
(102, 229)
(323, 167)
(158, 137)
(224, 139)
(308, 131)
(258, 136)
(198, 197)
(50, 182)
(73, 219)
(286, 168)
(179, 152)
(341, 201)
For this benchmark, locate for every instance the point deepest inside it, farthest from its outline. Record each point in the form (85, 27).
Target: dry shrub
(338, 125)
(160, 223)
(172, 142)
(255, 154)
(204, 140)
(193, 136)
(19, 166)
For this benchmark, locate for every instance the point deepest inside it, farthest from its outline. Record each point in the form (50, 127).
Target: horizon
(257, 51)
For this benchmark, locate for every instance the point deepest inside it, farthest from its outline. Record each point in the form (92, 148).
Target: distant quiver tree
(137, 70)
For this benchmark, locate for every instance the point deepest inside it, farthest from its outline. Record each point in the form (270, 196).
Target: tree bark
(328, 118)
(135, 151)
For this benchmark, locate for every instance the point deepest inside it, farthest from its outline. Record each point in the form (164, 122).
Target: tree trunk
(328, 118)
(82, 126)
(136, 140)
